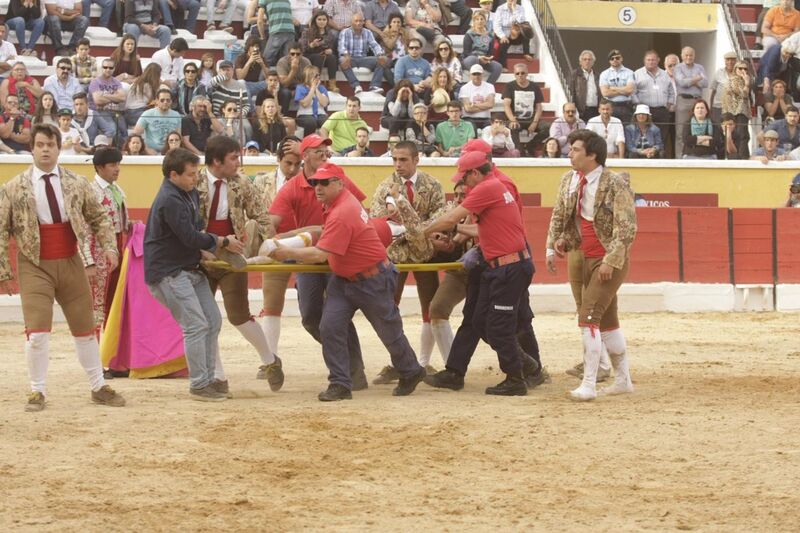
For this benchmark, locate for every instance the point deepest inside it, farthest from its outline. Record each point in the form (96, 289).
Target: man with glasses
(63, 84)
(108, 102)
(226, 88)
(453, 134)
(522, 103)
(363, 279)
(617, 85)
(15, 127)
(413, 67)
(198, 126)
(187, 89)
(690, 80)
(155, 124)
(584, 86)
(794, 193)
(566, 124)
(170, 59)
(478, 98)
(291, 69)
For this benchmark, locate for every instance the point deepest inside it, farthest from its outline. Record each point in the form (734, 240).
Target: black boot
(408, 384)
(513, 385)
(446, 379)
(334, 393)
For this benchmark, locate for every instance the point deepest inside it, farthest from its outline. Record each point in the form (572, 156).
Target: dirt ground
(706, 443)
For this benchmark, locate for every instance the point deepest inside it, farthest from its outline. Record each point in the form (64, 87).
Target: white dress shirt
(613, 133)
(589, 192)
(222, 207)
(40, 194)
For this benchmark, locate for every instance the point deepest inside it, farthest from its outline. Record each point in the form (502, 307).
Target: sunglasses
(413, 47)
(64, 68)
(520, 74)
(613, 58)
(294, 53)
(190, 71)
(324, 181)
(569, 112)
(108, 68)
(165, 99)
(444, 48)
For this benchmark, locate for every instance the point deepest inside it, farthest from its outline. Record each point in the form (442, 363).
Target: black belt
(688, 96)
(193, 268)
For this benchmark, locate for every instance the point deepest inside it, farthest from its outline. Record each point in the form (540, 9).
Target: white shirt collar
(38, 173)
(412, 179)
(101, 182)
(212, 179)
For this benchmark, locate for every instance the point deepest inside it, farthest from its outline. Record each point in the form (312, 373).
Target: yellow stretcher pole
(295, 267)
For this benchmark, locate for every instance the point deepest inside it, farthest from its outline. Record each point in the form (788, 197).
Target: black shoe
(530, 366)
(407, 385)
(108, 374)
(359, 379)
(446, 379)
(120, 373)
(335, 393)
(538, 378)
(511, 386)
(173, 31)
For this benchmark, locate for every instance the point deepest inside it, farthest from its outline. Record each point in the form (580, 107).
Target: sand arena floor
(709, 442)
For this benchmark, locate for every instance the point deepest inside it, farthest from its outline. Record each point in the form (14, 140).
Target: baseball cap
(65, 112)
(105, 155)
(225, 63)
(796, 180)
(477, 145)
(253, 144)
(467, 162)
(102, 140)
(328, 171)
(476, 69)
(613, 53)
(313, 141)
(772, 134)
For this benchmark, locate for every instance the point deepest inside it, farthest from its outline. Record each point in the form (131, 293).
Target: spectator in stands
(766, 6)
(361, 147)
(398, 106)
(291, 69)
(84, 120)
(208, 69)
(732, 145)
(779, 23)
(63, 84)
(156, 123)
(391, 143)
(454, 133)
(421, 132)
(8, 51)
(46, 110)
(26, 15)
(642, 137)
(776, 102)
(770, 151)
(425, 18)
(187, 89)
(15, 127)
(774, 63)
(670, 62)
(320, 45)
(312, 102)
(376, 15)
(788, 130)
(282, 95)
(394, 38)
(443, 90)
(702, 138)
(228, 7)
(445, 57)
(106, 9)
(340, 14)
(478, 98)
(228, 88)
(609, 128)
(794, 193)
(144, 17)
(654, 89)
(522, 103)
(511, 26)
(142, 93)
(83, 65)
(135, 146)
(414, 68)
(552, 148)
(69, 135)
(566, 124)
(174, 140)
(65, 15)
(341, 126)
(498, 135)
(23, 85)
(281, 30)
(354, 44)
(252, 149)
(127, 63)
(185, 11)
(584, 85)
(617, 84)
(199, 124)
(234, 125)
(478, 48)
(170, 59)
(251, 68)
(717, 85)
(736, 101)
(458, 8)
(107, 98)
(690, 80)
(269, 129)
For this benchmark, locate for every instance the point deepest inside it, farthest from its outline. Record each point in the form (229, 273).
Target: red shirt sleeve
(336, 236)
(282, 203)
(26, 123)
(483, 195)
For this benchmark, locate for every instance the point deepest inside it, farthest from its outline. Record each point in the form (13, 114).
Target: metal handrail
(736, 32)
(553, 40)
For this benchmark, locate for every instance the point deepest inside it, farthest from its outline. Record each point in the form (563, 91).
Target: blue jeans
(19, 25)
(112, 124)
(192, 7)
(277, 47)
(369, 62)
(55, 26)
(106, 8)
(253, 88)
(163, 34)
(188, 297)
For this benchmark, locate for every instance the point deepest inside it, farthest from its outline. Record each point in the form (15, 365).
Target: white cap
(101, 140)
(642, 109)
(476, 69)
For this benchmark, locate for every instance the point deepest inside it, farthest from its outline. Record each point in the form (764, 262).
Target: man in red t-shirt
(509, 268)
(364, 279)
(296, 206)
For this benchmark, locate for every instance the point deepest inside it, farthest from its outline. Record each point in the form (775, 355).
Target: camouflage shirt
(244, 203)
(428, 196)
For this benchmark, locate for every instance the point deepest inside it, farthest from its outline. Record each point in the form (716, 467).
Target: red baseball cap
(477, 145)
(313, 141)
(467, 162)
(328, 171)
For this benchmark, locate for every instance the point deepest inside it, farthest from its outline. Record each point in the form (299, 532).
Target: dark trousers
(311, 298)
(591, 112)
(373, 296)
(663, 121)
(325, 62)
(623, 111)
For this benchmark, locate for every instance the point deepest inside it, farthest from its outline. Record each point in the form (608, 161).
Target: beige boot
(332, 86)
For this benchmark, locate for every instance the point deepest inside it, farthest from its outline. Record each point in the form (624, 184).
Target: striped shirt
(654, 91)
(357, 45)
(279, 15)
(341, 11)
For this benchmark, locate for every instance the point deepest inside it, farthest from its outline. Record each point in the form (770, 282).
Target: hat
(796, 180)
(772, 134)
(252, 144)
(642, 109)
(105, 155)
(313, 141)
(102, 140)
(225, 63)
(65, 112)
(730, 55)
(613, 53)
(439, 100)
(328, 171)
(467, 162)
(477, 145)
(476, 69)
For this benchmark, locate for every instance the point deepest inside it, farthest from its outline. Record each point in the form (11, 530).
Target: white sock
(219, 371)
(37, 352)
(395, 228)
(443, 334)
(605, 362)
(89, 357)
(272, 331)
(425, 344)
(253, 334)
(617, 351)
(592, 346)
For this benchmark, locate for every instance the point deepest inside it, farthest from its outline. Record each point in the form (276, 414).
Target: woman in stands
(421, 132)
(234, 126)
(552, 148)
(425, 17)
(312, 101)
(395, 37)
(319, 45)
(127, 63)
(24, 86)
(25, 15)
(46, 112)
(135, 146)
(174, 140)
(397, 108)
(269, 128)
(142, 92)
(479, 46)
(443, 90)
(446, 57)
(511, 26)
(702, 139)
(208, 69)
(736, 101)
(642, 137)
(776, 102)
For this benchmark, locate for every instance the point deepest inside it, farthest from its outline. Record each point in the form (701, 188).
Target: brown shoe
(107, 396)
(236, 261)
(221, 387)
(332, 87)
(36, 402)
(273, 373)
(389, 374)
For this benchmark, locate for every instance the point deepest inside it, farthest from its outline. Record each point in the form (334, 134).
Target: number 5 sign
(627, 15)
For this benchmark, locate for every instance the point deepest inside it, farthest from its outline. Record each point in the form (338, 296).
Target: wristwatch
(225, 242)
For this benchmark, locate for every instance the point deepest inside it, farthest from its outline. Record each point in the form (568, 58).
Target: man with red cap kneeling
(364, 279)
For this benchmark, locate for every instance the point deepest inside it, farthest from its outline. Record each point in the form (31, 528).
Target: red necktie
(55, 212)
(212, 215)
(581, 186)
(410, 191)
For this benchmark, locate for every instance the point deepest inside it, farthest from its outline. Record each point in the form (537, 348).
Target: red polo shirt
(500, 227)
(349, 238)
(381, 225)
(297, 202)
(510, 185)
